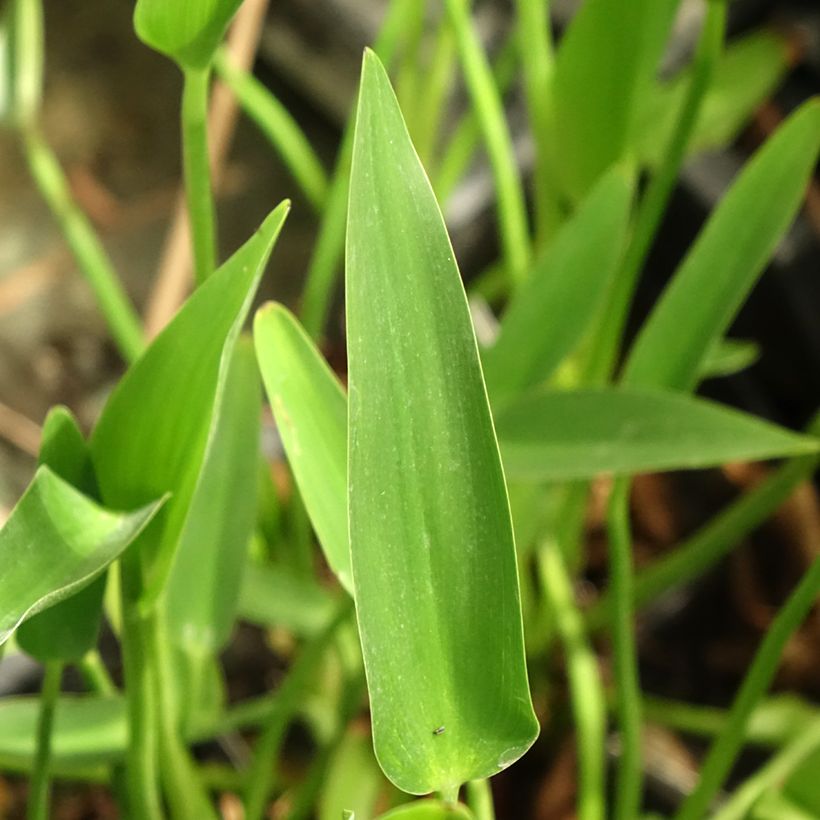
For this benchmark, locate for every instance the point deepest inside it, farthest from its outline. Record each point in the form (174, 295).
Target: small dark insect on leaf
(438, 731)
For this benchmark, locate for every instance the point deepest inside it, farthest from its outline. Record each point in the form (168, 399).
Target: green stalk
(40, 785)
(329, 246)
(773, 774)
(186, 796)
(461, 148)
(142, 775)
(725, 749)
(713, 541)
(628, 786)
(95, 675)
(653, 206)
(280, 128)
(536, 49)
(588, 700)
(480, 799)
(197, 170)
(89, 254)
(511, 208)
(261, 774)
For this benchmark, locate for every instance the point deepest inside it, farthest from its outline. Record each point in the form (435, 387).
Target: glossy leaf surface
(580, 434)
(549, 313)
(68, 630)
(431, 542)
(56, 542)
(187, 31)
(155, 428)
(203, 588)
(727, 258)
(310, 409)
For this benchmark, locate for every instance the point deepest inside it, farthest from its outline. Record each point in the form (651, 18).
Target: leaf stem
(588, 699)
(512, 210)
(40, 786)
(95, 675)
(653, 206)
(480, 799)
(197, 171)
(629, 777)
(89, 254)
(726, 747)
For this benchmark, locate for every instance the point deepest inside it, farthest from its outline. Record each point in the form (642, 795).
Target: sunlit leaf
(153, 433)
(310, 409)
(56, 542)
(728, 256)
(431, 542)
(568, 435)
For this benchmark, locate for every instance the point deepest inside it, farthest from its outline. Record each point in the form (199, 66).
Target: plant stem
(89, 254)
(144, 799)
(714, 540)
(197, 170)
(725, 749)
(588, 700)
(536, 49)
(774, 773)
(628, 783)
(480, 799)
(329, 245)
(512, 211)
(40, 786)
(653, 206)
(95, 675)
(261, 773)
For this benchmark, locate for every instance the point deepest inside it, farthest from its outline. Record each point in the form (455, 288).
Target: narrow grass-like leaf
(187, 31)
(729, 356)
(66, 631)
(56, 542)
(203, 587)
(153, 433)
(21, 61)
(727, 257)
(431, 542)
(549, 313)
(605, 60)
(310, 409)
(745, 76)
(557, 436)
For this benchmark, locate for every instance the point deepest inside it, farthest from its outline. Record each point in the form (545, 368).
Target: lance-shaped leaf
(203, 588)
(187, 31)
(580, 434)
(432, 551)
(549, 313)
(157, 423)
(310, 408)
(727, 258)
(56, 542)
(68, 630)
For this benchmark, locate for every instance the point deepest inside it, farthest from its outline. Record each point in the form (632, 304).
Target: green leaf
(428, 810)
(748, 72)
(580, 434)
(549, 313)
(66, 631)
(152, 436)
(21, 61)
(203, 587)
(56, 542)
(353, 780)
(605, 62)
(272, 596)
(729, 356)
(431, 542)
(725, 261)
(88, 730)
(187, 31)
(310, 409)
